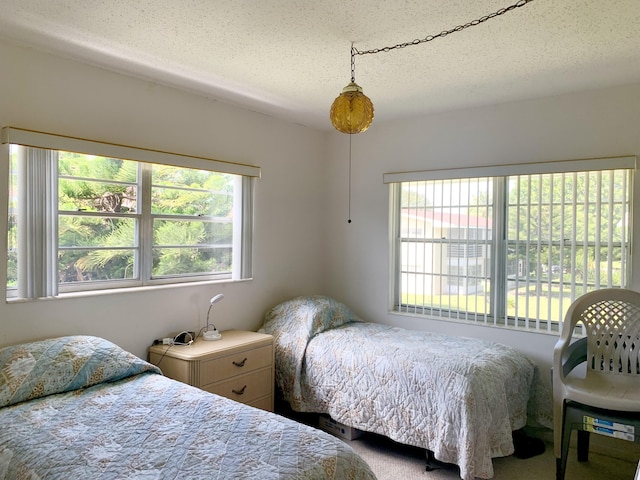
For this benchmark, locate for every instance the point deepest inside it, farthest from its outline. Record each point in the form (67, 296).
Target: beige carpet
(391, 461)
(609, 458)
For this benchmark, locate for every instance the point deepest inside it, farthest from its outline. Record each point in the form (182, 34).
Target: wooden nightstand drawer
(238, 363)
(265, 403)
(244, 388)
(238, 366)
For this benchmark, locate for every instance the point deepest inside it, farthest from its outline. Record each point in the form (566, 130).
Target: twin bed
(82, 408)
(457, 397)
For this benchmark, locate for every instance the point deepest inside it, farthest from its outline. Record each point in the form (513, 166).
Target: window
(83, 215)
(510, 246)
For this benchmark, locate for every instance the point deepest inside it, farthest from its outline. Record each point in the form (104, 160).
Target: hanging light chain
(354, 52)
(428, 38)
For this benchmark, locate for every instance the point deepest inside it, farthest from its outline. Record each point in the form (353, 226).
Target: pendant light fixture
(352, 111)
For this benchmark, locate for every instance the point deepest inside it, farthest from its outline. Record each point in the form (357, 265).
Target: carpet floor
(609, 458)
(392, 461)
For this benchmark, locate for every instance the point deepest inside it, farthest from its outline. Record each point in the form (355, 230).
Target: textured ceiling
(291, 58)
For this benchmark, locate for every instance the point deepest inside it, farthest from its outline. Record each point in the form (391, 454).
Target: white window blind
(506, 246)
(38, 230)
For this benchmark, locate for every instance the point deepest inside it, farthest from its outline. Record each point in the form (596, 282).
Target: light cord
(350, 136)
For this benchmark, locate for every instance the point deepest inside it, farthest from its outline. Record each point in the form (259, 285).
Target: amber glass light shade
(351, 111)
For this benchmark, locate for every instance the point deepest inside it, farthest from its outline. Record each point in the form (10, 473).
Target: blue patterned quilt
(458, 397)
(127, 421)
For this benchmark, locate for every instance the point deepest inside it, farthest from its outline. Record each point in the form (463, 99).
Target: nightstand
(238, 366)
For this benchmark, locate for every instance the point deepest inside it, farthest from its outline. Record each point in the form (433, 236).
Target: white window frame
(497, 297)
(47, 285)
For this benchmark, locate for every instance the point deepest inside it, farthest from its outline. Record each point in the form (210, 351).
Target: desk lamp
(210, 331)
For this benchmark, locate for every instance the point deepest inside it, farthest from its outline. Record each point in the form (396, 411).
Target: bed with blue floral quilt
(80, 407)
(458, 398)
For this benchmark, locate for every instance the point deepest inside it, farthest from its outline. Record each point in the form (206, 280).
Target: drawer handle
(240, 364)
(239, 392)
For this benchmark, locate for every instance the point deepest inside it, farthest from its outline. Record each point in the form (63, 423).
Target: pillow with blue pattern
(58, 365)
(312, 314)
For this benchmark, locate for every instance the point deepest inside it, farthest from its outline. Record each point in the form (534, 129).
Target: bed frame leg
(431, 462)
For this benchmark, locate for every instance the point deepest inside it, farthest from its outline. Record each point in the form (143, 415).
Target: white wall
(51, 94)
(303, 243)
(601, 123)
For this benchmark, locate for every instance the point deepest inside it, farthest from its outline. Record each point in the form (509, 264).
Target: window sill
(120, 291)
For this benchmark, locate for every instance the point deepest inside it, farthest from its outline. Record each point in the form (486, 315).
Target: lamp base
(211, 335)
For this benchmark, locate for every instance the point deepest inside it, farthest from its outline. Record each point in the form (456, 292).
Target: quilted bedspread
(458, 397)
(146, 426)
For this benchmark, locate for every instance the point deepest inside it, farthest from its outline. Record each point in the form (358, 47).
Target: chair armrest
(574, 355)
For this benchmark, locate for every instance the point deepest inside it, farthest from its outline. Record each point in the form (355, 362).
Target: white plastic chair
(606, 399)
